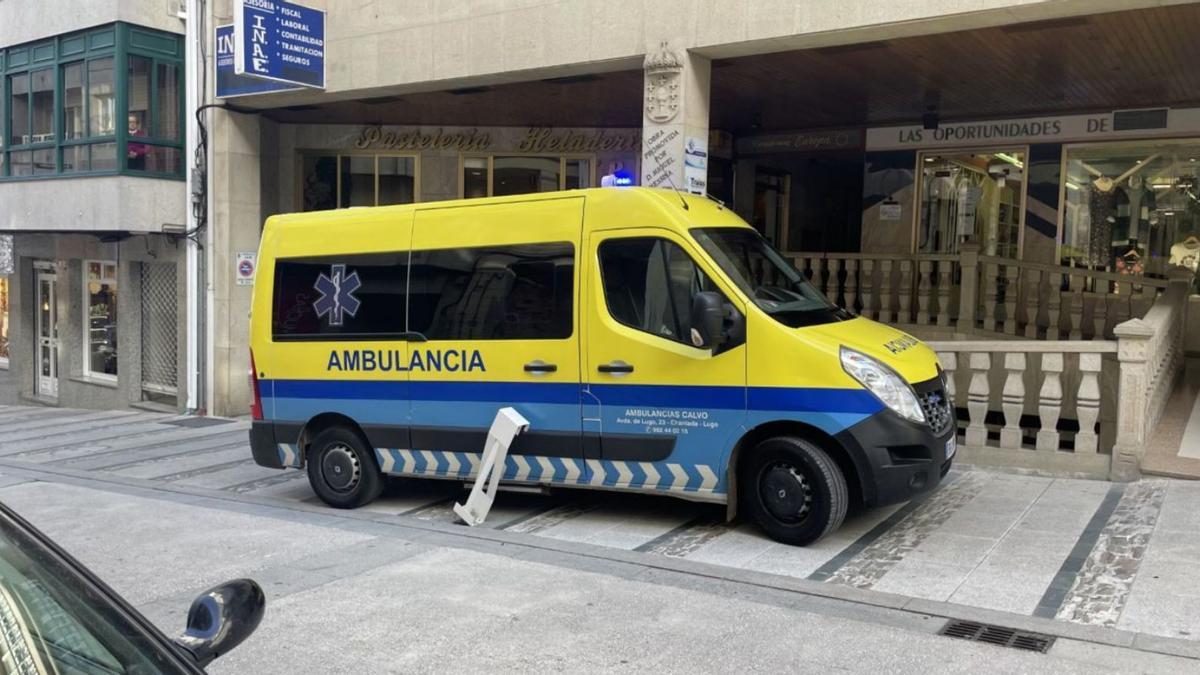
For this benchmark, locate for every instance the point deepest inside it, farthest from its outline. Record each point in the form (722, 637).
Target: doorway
(47, 334)
(771, 195)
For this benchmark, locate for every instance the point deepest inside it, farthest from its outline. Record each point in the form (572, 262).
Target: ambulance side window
(515, 292)
(649, 283)
(350, 297)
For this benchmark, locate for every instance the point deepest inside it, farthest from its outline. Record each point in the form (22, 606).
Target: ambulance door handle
(615, 367)
(539, 366)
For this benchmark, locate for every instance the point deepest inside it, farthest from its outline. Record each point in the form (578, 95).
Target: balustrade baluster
(851, 284)
(867, 287)
(924, 282)
(905, 292)
(1050, 400)
(991, 274)
(1013, 399)
(1053, 304)
(977, 399)
(1099, 309)
(1010, 299)
(1033, 292)
(885, 291)
(1076, 282)
(1088, 403)
(836, 284)
(945, 275)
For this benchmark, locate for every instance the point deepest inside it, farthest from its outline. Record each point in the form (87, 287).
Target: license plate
(951, 446)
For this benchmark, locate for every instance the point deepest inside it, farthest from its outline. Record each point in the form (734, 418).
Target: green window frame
(99, 77)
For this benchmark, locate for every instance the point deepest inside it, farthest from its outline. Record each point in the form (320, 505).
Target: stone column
(675, 119)
(235, 223)
(1133, 347)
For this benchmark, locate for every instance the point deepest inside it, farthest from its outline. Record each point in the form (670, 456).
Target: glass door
(975, 195)
(47, 335)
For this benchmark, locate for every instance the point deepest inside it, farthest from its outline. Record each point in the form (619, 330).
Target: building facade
(1018, 126)
(92, 203)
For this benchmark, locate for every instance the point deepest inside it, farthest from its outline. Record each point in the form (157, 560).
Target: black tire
(793, 490)
(342, 469)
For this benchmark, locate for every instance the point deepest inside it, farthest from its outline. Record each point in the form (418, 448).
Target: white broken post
(505, 427)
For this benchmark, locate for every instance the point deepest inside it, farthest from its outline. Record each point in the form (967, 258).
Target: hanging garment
(1102, 210)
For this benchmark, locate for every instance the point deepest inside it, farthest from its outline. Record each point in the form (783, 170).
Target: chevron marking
(679, 476)
(652, 476)
(710, 478)
(430, 463)
(453, 465)
(386, 462)
(597, 472)
(406, 461)
(548, 472)
(624, 475)
(572, 470)
(523, 467)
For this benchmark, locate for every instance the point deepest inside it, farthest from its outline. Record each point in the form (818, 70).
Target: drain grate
(998, 635)
(197, 422)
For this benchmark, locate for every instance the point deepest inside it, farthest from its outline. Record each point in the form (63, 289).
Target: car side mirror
(221, 618)
(708, 320)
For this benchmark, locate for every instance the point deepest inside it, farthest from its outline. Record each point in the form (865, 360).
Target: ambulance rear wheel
(342, 470)
(794, 490)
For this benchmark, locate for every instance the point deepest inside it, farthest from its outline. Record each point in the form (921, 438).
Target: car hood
(905, 354)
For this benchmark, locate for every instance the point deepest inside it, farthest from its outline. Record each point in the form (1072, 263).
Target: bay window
(105, 100)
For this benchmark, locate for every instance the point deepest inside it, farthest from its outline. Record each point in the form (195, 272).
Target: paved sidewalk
(1085, 552)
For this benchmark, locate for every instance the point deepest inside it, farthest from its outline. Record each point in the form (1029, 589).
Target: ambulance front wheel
(794, 490)
(342, 470)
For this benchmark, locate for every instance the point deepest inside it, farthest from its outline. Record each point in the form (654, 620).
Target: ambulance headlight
(884, 383)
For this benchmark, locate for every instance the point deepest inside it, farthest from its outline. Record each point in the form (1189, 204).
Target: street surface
(162, 506)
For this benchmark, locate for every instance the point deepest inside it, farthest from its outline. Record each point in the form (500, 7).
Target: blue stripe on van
(793, 399)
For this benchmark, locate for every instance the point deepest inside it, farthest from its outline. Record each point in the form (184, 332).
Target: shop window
(499, 175)
(1132, 208)
(100, 319)
(520, 292)
(340, 181)
(972, 196)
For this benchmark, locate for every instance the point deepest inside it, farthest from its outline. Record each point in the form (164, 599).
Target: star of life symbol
(337, 294)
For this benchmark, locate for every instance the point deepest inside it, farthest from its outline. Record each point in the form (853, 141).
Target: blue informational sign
(279, 41)
(229, 83)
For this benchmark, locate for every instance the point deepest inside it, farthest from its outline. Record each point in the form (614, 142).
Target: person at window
(137, 151)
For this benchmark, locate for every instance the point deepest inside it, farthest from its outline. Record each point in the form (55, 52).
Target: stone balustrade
(1082, 407)
(972, 294)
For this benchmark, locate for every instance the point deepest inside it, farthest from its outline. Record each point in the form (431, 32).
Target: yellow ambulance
(653, 340)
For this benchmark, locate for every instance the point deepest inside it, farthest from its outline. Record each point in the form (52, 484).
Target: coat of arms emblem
(662, 84)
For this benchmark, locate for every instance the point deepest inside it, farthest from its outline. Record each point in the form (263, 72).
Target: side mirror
(708, 319)
(221, 618)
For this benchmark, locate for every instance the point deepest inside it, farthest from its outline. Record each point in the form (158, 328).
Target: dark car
(56, 617)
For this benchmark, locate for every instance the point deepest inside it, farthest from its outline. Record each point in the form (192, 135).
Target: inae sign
(279, 41)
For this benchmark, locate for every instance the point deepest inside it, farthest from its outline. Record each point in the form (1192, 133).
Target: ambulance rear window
(348, 297)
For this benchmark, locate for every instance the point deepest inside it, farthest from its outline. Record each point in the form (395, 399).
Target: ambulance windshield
(766, 277)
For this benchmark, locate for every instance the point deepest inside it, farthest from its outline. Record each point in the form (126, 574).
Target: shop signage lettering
(806, 141)
(545, 139)
(982, 132)
(1061, 129)
(463, 141)
(658, 159)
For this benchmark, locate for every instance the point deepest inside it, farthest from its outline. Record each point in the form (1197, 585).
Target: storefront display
(1132, 208)
(974, 196)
